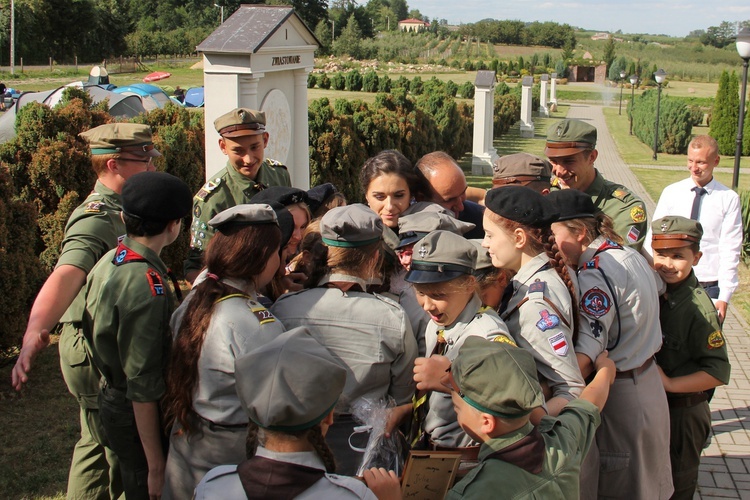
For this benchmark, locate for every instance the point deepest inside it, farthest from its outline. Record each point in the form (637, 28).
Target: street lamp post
(743, 48)
(622, 84)
(659, 76)
(633, 83)
(222, 11)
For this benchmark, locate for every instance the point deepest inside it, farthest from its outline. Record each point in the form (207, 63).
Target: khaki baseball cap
(568, 137)
(113, 138)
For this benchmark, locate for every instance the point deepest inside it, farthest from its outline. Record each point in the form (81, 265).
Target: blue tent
(151, 96)
(194, 97)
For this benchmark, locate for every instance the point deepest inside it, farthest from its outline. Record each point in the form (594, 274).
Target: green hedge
(675, 122)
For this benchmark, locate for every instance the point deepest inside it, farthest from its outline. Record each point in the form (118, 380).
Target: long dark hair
(241, 253)
(389, 161)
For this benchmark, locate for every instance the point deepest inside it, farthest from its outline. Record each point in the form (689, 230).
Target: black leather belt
(706, 284)
(686, 400)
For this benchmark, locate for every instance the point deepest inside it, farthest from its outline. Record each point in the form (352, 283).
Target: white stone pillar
(553, 89)
(527, 125)
(483, 154)
(249, 91)
(543, 109)
(299, 164)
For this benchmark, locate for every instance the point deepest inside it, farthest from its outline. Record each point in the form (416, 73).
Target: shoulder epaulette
(620, 194)
(263, 315)
(276, 163)
(592, 264)
(155, 282)
(93, 207)
(207, 189)
(537, 287)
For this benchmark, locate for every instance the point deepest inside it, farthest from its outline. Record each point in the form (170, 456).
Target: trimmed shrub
(725, 113)
(337, 81)
(370, 82)
(384, 84)
(675, 124)
(506, 113)
(416, 85)
(467, 90)
(696, 115)
(354, 81)
(324, 82)
(312, 80)
(451, 88)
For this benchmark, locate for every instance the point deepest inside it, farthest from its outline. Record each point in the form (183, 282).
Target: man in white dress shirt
(703, 198)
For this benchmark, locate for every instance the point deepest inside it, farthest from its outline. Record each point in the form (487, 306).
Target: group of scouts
(548, 352)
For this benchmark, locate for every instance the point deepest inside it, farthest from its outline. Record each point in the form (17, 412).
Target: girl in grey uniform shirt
(220, 321)
(538, 305)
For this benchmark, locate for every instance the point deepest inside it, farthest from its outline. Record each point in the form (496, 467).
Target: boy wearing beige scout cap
(118, 151)
(693, 358)
(571, 149)
(524, 169)
(243, 139)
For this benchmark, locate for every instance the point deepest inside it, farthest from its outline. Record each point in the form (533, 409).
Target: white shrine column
(300, 171)
(527, 125)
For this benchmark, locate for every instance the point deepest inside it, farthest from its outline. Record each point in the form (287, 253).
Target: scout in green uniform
(118, 151)
(693, 358)
(243, 140)
(571, 150)
(494, 388)
(128, 303)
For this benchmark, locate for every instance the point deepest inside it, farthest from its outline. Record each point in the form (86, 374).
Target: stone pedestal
(483, 154)
(527, 125)
(553, 89)
(543, 106)
(259, 58)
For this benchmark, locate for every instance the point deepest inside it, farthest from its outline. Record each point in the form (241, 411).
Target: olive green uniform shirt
(692, 336)
(129, 301)
(567, 439)
(227, 189)
(93, 228)
(628, 212)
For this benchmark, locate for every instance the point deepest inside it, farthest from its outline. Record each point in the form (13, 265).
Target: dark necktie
(696, 210)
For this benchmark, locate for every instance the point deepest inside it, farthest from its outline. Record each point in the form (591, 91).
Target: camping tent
(120, 105)
(99, 76)
(152, 96)
(194, 97)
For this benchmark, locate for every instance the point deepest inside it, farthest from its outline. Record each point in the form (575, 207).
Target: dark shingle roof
(485, 79)
(247, 29)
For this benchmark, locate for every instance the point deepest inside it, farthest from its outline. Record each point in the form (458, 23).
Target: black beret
(318, 195)
(156, 196)
(572, 204)
(521, 204)
(281, 194)
(286, 222)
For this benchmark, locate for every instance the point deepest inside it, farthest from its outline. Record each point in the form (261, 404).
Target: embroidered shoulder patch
(715, 340)
(93, 207)
(633, 234)
(276, 163)
(559, 343)
(207, 188)
(155, 281)
(638, 214)
(505, 340)
(595, 302)
(592, 264)
(548, 320)
(264, 315)
(123, 255)
(620, 194)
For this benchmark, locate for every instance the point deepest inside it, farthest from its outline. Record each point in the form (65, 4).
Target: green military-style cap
(425, 206)
(520, 168)
(441, 256)
(244, 215)
(414, 227)
(113, 138)
(568, 137)
(241, 121)
(277, 394)
(496, 378)
(674, 231)
(484, 261)
(351, 226)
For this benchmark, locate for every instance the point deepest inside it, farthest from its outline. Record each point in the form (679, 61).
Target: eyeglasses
(147, 160)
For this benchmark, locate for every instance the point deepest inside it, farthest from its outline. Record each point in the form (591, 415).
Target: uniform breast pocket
(672, 343)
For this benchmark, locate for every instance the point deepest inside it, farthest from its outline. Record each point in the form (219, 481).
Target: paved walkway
(725, 466)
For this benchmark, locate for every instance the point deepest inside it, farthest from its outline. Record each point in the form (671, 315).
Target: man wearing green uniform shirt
(571, 148)
(118, 151)
(243, 140)
(128, 303)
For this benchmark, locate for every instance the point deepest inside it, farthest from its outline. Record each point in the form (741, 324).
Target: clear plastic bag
(380, 451)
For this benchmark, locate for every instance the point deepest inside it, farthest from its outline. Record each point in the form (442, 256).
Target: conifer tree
(725, 113)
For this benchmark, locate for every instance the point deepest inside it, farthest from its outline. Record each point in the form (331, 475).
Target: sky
(669, 17)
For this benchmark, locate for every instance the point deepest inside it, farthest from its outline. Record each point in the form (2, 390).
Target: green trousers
(94, 469)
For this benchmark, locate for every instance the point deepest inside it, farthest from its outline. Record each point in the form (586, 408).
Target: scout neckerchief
(263, 477)
(528, 453)
(125, 255)
(510, 291)
(594, 264)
